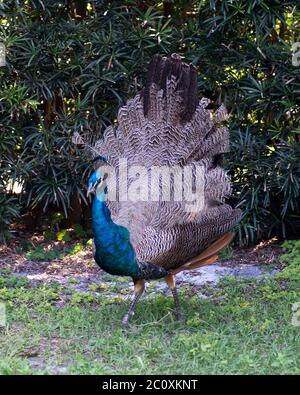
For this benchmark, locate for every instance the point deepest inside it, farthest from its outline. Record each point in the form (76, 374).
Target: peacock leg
(171, 282)
(139, 286)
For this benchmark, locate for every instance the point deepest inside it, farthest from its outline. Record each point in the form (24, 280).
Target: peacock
(159, 184)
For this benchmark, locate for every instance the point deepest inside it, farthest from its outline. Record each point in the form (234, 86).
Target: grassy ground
(243, 326)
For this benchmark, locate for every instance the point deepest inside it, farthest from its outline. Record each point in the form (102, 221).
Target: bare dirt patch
(252, 262)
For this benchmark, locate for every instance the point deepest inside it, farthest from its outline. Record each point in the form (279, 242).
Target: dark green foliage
(243, 51)
(9, 211)
(70, 65)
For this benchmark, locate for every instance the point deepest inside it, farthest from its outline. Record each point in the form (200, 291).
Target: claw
(125, 320)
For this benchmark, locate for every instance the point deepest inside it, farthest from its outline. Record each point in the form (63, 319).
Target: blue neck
(114, 252)
(101, 217)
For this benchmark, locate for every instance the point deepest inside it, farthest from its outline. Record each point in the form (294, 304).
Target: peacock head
(96, 184)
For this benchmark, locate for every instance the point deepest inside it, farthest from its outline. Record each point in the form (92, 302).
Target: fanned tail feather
(208, 256)
(167, 125)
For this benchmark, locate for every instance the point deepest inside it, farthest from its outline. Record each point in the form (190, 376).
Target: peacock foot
(139, 286)
(179, 316)
(125, 320)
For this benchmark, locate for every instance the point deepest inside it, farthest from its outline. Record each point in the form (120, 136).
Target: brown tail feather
(160, 70)
(207, 256)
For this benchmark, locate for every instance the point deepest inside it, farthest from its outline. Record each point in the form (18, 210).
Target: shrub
(71, 64)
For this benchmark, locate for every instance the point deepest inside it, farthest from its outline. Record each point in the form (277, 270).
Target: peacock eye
(98, 182)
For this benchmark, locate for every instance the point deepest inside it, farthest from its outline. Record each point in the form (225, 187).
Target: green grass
(243, 327)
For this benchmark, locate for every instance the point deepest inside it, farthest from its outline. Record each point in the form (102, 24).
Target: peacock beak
(90, 190)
